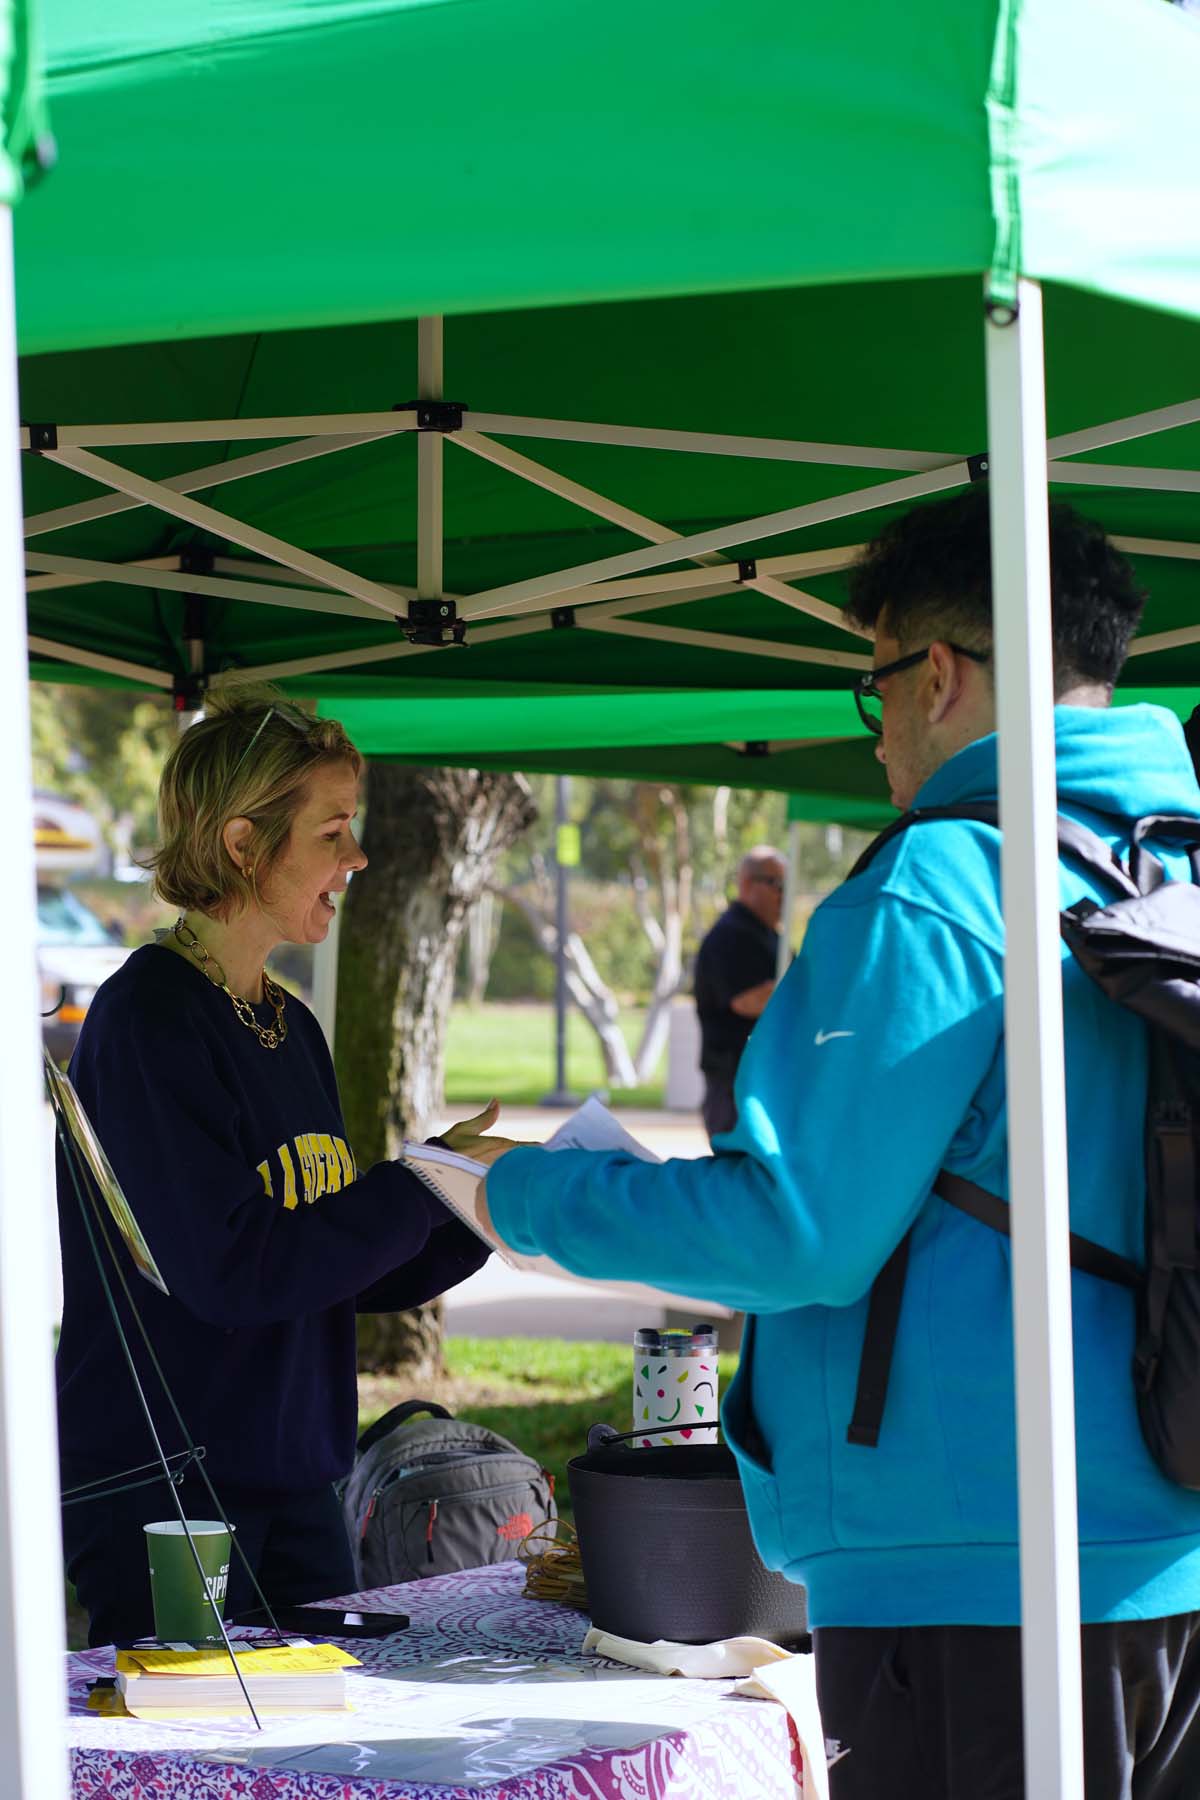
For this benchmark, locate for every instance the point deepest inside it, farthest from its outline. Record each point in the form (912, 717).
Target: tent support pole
(32, 1646)
(430, 464)
(1037, 1139)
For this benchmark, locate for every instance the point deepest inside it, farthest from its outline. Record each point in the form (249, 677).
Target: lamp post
(566, 857)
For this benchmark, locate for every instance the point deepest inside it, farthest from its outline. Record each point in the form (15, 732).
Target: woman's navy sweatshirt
(235, 1163)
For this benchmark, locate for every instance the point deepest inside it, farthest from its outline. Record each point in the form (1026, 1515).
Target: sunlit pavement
(503, 1302)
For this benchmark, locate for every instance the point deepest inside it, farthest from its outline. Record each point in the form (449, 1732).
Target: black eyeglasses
(866, 686)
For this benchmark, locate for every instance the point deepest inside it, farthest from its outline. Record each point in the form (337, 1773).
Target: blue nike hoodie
(878, 1062)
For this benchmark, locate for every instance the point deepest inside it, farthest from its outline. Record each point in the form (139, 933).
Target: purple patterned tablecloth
(475, 1627)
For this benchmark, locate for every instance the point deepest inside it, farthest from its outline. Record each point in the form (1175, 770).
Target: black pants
(719, 1110)
(934, 1711)
(295, 1543)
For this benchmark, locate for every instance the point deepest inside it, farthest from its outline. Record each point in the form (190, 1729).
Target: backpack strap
(887, 1293)
(879, 1341)
(983, 812)
(399, 1415)
(1091, 1258)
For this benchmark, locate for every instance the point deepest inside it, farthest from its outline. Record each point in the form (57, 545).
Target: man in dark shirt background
(735, 977)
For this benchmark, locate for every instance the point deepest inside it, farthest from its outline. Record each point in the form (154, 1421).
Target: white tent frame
(587, 591)
(599, 596)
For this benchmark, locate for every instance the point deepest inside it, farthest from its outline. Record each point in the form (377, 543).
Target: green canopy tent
(707, 284)
(218, 324)
(809, 745)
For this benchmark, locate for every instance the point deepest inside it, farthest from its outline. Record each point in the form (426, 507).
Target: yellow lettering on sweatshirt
(329, 1160)
(308, 1162)
(346, 1158)
(318, 1164)
(264, 1169)
(290, 1197)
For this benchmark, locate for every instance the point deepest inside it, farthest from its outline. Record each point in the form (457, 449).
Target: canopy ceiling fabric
(809, 745)
(772, 220)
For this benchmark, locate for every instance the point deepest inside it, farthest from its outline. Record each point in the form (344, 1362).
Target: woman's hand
(469, 1136)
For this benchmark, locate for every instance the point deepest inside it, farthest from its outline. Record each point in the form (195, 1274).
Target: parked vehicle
(76, 952)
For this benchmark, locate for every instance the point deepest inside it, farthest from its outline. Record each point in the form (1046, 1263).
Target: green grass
(541, 1393)
(505, 1049)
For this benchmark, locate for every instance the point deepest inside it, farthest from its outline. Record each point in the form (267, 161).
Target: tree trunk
(433, 837)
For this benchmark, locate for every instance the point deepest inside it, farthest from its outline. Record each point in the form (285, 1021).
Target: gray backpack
(428, 1496)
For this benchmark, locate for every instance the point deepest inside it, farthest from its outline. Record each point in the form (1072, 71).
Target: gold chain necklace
(269, 1036)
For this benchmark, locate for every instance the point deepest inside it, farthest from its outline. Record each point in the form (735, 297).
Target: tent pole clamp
(562, 618)
(755, 747)
(428, 621)
(43, 437)
(747, 569)
(978, 467)
(187, 693)
(435, 415)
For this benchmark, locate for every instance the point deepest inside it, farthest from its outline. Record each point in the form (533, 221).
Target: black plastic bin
(666, 1547)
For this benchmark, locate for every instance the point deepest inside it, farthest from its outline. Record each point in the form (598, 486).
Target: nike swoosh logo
(824, 1037)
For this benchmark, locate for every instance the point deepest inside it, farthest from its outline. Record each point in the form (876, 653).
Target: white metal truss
(713, 640)
(377, 653)
(1121, 431)
(1126, 475)
(217, 431)
(46, 583)
(194, 512)
(239, 468)
(81, 570)
(1140, 546)
(523, 595)
(637, 523)
(92, 659)
(602, 591)
(1165, 640)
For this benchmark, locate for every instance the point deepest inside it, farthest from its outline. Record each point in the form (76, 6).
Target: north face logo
(518, 1526)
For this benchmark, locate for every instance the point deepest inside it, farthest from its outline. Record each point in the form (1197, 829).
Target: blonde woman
(213, 1092)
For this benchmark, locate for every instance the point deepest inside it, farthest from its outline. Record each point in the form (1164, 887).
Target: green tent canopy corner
(739, 307)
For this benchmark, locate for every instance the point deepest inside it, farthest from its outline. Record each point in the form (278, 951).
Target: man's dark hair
(931, 568)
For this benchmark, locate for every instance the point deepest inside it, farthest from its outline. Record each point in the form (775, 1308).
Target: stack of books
(281, 1678)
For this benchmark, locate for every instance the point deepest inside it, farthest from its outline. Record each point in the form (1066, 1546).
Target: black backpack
(1143, 950)
(429, 1496)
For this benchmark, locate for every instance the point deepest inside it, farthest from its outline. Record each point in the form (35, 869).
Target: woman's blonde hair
(250, 757)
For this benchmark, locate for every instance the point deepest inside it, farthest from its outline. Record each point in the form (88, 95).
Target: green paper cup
(183, 1601)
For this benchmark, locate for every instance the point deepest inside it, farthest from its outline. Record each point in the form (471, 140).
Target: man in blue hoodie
(879, 1062)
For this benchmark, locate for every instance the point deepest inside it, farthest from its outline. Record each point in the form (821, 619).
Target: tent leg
(1037, 1145)
(32, 1694)
(430, 454)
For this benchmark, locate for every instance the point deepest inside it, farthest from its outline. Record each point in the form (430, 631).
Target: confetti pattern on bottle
(675, 1384)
